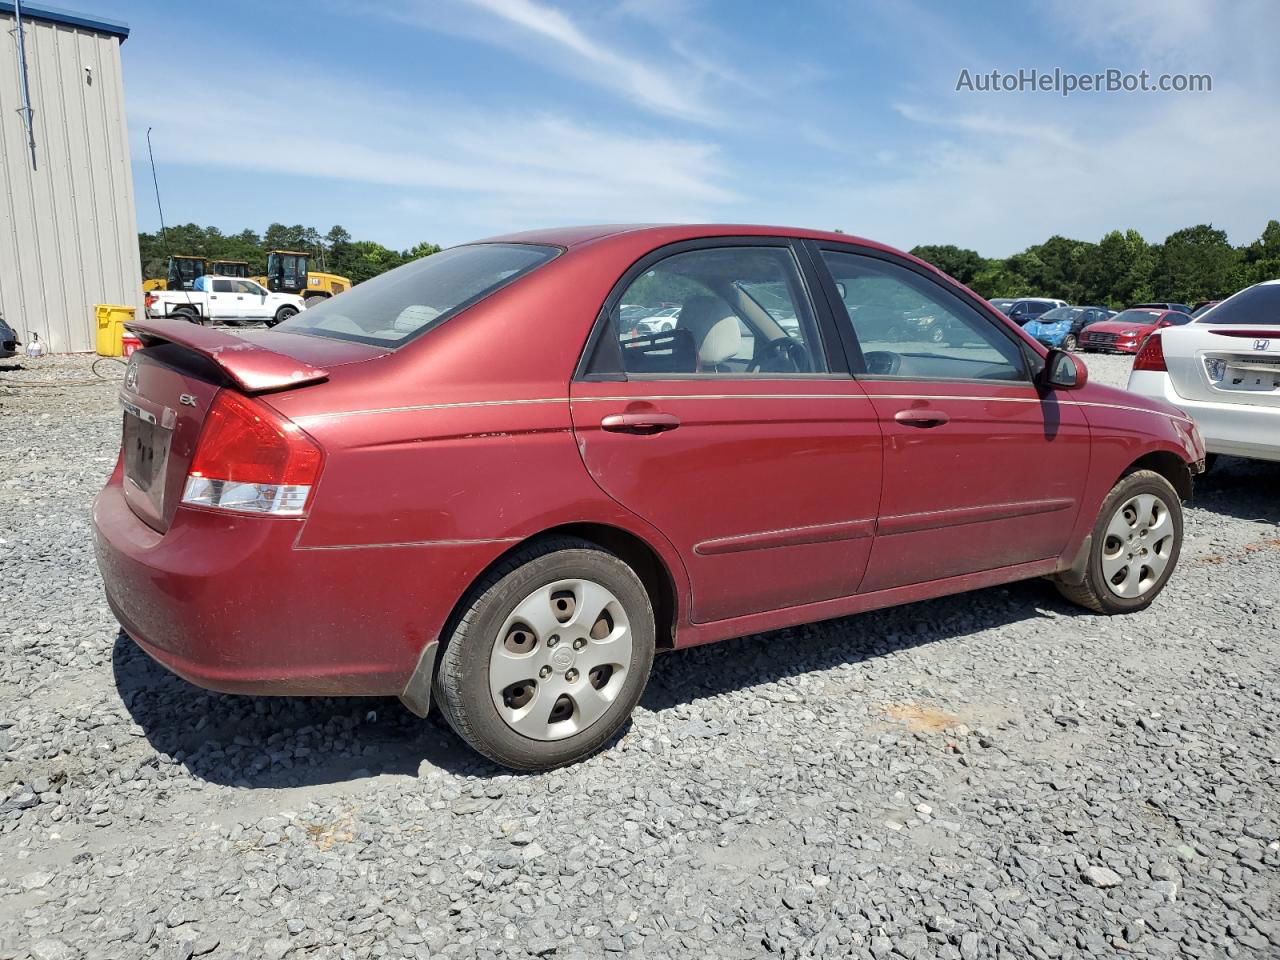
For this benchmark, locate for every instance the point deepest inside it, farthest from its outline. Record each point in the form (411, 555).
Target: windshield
(402, 303)
(1061, 313)
(1252, 306)
(1145, 317)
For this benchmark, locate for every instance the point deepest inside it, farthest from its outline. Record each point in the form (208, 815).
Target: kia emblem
(1261, 344)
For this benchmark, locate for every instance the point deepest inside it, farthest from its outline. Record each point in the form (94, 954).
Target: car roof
(663, 233)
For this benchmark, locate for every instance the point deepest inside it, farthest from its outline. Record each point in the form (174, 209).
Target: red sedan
(464, 481)
(1125, 332)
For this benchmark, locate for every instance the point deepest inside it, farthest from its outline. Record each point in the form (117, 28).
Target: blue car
(1061, 327)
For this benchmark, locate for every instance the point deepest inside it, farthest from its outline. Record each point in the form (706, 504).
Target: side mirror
(1064, 370)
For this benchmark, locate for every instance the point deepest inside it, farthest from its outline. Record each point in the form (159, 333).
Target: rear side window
(736, 311)
(222, 286)
(1253, 306)
(401, 304)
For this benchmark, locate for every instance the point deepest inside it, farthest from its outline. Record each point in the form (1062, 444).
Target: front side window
(909, 327)
(409, 300)
(736, 311)
(248, 286)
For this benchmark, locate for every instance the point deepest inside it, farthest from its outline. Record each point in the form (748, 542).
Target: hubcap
(560, 659)
(1137, 545)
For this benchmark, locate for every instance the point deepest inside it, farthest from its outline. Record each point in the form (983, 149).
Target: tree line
(332, 252)
(1192, 264)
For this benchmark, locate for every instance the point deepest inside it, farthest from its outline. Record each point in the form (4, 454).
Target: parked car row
(1092, 328)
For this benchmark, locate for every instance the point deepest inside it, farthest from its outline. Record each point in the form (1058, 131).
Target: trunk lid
(1225, 364)
(169, 387)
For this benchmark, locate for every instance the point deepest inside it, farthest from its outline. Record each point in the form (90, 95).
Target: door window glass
(910, 327)
(222, 286)
(737, 311)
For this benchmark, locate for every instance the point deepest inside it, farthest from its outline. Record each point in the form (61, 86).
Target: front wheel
(1069, 342)
(549, 657)
(284, 313)
(1136, 542)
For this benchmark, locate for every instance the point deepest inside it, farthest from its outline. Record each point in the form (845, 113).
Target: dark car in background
(1180, 307)
(8, 340)
(1061, 327)
(1029, 308)
(1003, 304)
(1203, 307)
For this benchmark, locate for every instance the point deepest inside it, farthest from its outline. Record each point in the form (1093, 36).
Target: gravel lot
(996, 774)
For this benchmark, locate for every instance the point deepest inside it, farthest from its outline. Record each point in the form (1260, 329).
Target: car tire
(1069, 343)
(284, 313)
(580, 688)
(186, 313)
(1127, 539)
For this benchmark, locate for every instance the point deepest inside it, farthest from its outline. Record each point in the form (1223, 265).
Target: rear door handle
(921, 418)
(643, 424)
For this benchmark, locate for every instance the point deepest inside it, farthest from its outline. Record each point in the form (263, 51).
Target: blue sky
(449, 120)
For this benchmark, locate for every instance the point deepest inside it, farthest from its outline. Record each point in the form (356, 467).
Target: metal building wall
(68, 231)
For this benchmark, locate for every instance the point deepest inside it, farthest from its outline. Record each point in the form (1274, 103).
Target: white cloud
(521, 168)
(662, 81)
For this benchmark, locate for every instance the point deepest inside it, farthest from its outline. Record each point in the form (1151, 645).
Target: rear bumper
(228, 603)
(1234, 429)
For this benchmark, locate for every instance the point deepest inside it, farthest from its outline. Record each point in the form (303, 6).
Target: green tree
(954, 261)
(1196, 263)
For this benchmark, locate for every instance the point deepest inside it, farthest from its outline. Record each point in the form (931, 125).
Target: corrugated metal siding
(68, 231)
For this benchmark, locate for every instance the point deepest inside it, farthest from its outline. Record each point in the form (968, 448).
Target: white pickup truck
(223, 298)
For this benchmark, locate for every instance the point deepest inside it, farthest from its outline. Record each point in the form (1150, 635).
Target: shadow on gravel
(255, 741)
(273, 742)
(1244, 489)
(683, 676)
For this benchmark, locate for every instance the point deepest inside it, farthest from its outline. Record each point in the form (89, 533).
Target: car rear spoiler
(254, 369)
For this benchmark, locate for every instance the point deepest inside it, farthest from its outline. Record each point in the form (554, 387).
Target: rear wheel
(1136, 542)
(188, 314)
(550, 656)
(284, 313)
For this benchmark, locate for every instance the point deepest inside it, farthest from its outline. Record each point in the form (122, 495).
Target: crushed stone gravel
(996, 774)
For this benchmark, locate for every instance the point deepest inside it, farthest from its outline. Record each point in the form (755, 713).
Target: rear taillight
(1151, 356)
(149, 300)
(252, 460)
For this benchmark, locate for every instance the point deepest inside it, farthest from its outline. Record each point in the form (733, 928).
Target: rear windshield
(1252, 306)
(402, 303)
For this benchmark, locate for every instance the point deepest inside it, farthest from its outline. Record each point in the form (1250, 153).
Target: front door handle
(643, 424)
(921, 418)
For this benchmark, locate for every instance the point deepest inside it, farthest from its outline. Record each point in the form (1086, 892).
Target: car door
(739, 433)
(982, 468)
(252, 299)
(223, 301)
